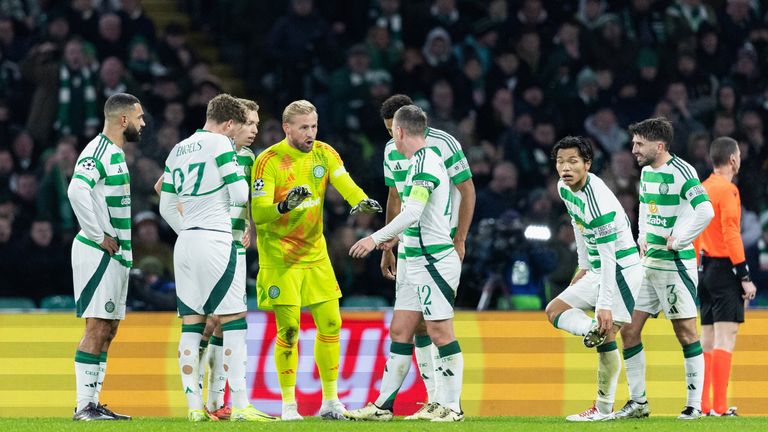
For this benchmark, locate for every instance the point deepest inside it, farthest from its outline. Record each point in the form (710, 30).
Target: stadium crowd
(507, 78)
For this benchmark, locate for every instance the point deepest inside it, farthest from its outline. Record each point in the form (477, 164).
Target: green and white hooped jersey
(598, 218)
(198, 170)
(238, 213)
(430, 236)
(668, 196)
(396, 168)
(102, 166)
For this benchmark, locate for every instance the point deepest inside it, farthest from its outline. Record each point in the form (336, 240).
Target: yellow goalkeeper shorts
(296, 286)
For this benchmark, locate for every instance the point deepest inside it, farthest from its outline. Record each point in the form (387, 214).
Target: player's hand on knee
(109, 244)
(366, 206)
(604, 320)
(295, 197)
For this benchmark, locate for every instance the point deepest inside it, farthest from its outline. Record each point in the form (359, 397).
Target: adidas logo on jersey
(398, 167)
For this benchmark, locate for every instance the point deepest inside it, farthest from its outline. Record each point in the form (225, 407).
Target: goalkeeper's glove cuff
(282, 207)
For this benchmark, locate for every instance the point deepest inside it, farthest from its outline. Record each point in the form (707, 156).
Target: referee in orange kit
(725, 286)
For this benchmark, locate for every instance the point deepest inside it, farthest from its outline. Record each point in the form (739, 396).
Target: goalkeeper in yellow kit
(288, 183)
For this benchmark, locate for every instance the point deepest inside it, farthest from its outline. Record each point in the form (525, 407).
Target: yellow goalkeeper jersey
(295, 239)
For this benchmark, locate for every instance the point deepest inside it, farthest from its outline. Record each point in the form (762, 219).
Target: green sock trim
(215, 340)
(632, 351)
(389, 404)
(193, 328)
(87, 358)
(422, 341)
(692, 350)
(238, 324)
(450, 349)
(607, 347)
(401, 348)
(557, 318)
(203, 344)
(103, 357)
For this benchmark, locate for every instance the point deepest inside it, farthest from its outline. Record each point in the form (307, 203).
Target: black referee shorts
(720, 292)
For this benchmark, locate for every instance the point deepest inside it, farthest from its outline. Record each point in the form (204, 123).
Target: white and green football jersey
(197, 171)
(396, 168)
(101, 165)
(430, 236)
(238, 212)
(603, 236)
(668, 197)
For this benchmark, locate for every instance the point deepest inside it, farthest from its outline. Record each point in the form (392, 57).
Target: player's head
(724, 151)
(246, 134)
(650, 138)
(300, 125)
(409, 121)
(573, 157)
(227, 113)
(390, 107)
(124, 111)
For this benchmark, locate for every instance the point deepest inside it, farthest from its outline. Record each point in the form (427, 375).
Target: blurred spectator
(350, 87)
(751, 124)
(113, 80)
(84, 19)
(685, 17)
(147, 243)
(590, 12)
(736, 21)
(564, 247)
(25, 191)
(24, 151)
(602, 126)
(135, 21)
(713, 58)
(438, 53)
(13, 47)
(500, 195)
(7, 254)
(698, 154)
(622, 175)
(7, 168)
(644, 23)
(442, 113)
(173, 51)
(383, 52)
(389, 16)
(611, 49)
(700, 86)
(299, 44)
(680, 114)
(149, 288)
(10, 79)
(745, 75)
(724, 125)
(52, 202)
(111, 41)
(42, 265)
(445, 14)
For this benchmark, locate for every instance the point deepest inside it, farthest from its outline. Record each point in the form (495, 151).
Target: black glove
(366, 206)
(295, 197)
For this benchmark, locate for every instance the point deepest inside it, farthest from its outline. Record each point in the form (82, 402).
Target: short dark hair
(654, 129)
(224, 108)
(392, 104)
(412, 119)
(721, 150)
(119, 103)
(579, 143)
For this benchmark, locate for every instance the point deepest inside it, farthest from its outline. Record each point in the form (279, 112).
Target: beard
(132, 134)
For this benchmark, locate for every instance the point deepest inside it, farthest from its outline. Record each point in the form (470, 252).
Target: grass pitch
(490, 424)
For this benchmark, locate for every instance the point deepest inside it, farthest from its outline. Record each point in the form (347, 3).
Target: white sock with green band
(634, 364)
(425, 358)
(449, 374)
(189, 363)
(574, 321)
(694, 373)
(608, 370)
(395, 371)
(86, 377)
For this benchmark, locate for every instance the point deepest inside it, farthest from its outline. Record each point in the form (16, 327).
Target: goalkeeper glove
(366, 206)
(295, 197)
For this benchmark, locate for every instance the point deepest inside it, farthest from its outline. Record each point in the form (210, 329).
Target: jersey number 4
(179, 174)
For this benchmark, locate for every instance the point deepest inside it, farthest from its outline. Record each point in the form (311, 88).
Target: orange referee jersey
(722, 238)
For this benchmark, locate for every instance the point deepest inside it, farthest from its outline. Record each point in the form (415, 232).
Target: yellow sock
(327, 359)
(286, 363)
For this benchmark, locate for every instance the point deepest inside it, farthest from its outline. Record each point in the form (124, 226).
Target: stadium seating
(58, 302)
(17, 303)
(364, 302)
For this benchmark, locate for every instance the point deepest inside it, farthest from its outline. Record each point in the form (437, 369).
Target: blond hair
(299, 107)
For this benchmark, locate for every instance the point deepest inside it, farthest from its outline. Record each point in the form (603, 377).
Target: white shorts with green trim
(406, 298)
(583, 294)
(100, 283)
(205, 263)
(434, 281)
(670, 291)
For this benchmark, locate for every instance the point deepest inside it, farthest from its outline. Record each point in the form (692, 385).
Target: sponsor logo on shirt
(657, 221)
